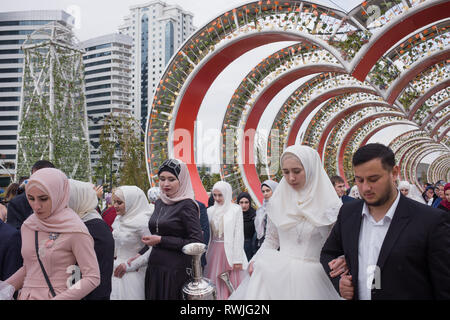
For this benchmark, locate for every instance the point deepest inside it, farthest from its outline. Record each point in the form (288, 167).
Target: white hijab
(218, 211)
(317, 201)
(413, 192)
(83, 200)
(137, 208)
(354, 192)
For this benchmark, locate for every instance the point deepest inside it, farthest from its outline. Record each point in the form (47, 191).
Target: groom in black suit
(395, 247)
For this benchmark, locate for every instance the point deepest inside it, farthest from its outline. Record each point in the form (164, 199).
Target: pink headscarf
(62, 219)
(185, 191)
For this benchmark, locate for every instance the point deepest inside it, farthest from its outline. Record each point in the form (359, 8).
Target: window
(11, 51)
(10, 80)
(8, 137)
(87, 65)
(102, 46)
(6, 118)
(11, 70)
(97, 103)
(20, 60)
(15, 32)
(86, 73)
(8, 147)
(102, 86)
(13, 108)
(24, 23)
(11, 41)
(4, 99)
(107, 110)
(101, 54)
(10, 89)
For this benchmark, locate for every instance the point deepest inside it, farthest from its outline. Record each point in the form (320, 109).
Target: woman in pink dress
(65, 247)
(226, 247)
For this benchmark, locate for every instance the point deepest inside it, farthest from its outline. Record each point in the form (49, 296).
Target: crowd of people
(311, 238)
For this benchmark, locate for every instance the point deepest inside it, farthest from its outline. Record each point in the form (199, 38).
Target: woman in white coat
(130, 225)
(226, 247)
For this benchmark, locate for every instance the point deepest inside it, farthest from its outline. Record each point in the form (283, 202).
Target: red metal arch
(435, 111)
(439, 124)
(418, 141)
(419, 102)
(258, 109)
(350, 133)
(441, 137)
(339, 117)
(398, 86)
(198, 86)
(421, 151)
(373, 132)
(397, 31)
(295, 128)
(401, 137)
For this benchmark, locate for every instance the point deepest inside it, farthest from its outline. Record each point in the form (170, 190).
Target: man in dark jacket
(18, 208)
(10, 255)
(395, 248)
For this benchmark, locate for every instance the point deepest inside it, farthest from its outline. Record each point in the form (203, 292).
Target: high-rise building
(14, 29)
(158, 30)
(107, 63)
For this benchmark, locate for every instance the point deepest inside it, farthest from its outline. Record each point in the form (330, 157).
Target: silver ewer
(199, 288)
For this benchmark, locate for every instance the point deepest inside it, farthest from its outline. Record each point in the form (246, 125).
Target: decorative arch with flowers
(378, 58)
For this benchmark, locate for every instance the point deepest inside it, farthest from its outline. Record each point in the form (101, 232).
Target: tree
(122, 152)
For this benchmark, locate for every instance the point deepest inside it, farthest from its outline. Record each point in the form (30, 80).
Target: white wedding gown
(292, 273)
(127, 245)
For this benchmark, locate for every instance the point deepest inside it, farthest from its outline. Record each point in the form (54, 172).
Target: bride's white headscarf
(317, 201)
(218, 211)
(137, 208)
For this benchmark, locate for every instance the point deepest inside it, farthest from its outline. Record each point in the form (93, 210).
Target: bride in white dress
(301, 213)
(130, 225)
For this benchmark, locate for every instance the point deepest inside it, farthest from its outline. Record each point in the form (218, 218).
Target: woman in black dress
(245, 201)
(175, 222)
(83, 200)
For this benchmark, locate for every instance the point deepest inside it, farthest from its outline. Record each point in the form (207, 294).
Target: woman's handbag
(52, 291)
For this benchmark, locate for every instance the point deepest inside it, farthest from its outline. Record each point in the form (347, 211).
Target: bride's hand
(120, 270)
(337, 266)
(250, 268)
(237, 266)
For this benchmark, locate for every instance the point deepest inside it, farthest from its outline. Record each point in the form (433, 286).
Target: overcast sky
(99, 17)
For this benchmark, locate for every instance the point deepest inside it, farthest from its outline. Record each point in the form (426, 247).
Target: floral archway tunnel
(350, 74)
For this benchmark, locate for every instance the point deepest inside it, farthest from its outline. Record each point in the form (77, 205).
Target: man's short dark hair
(375, 151)
(41, 164)
(336, 179)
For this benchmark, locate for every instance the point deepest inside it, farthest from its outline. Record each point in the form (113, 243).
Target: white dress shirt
(371, 238)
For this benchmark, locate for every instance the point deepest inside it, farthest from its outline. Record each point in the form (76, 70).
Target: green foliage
(122, 153)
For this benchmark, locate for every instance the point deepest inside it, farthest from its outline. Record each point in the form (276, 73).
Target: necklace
(157, 220)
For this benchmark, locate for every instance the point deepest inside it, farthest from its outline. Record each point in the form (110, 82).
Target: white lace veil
(317, 201)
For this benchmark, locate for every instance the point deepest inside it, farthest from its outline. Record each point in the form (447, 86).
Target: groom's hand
(346, 288)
